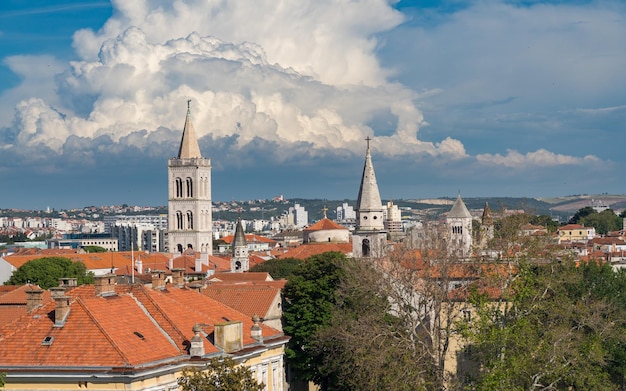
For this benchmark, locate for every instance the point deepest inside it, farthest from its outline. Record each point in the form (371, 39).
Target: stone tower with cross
(190, 223)
(369, 237)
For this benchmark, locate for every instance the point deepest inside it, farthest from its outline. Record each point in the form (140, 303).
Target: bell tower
(370, 236)
(190, 223)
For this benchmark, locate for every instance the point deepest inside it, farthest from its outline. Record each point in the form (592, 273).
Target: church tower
(459, 222)
(190, 224)
(486, 227)
(240, 261)
(370, 236)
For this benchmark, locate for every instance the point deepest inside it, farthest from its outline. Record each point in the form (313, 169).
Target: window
(189, 220)
(179, 188)
(179, 220)
(189, 188)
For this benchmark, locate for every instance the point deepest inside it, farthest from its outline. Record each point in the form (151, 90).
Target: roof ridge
(83, 305)
(153, 302)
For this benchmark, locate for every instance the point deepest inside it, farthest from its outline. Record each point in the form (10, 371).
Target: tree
(278, 268)
(46, 272)
(581, 214)
(310, 296)
(563, 328)
(365, 346)
(221, 374)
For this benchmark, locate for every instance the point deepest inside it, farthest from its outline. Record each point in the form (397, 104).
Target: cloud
(539, 158)
(302, 84)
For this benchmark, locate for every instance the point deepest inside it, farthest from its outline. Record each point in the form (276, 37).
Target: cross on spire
(188, 106)
(368, 139)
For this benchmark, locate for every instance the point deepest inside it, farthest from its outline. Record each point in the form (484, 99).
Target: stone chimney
(57, 291)
(255, 331)
(170, 263)
(197, 342)
(229, 336)
(62, 310)
(105, 285)
(34, 299)
(68, 282)
(178, 277)
(158, 279)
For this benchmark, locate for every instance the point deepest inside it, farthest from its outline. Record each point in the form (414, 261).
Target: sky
(488, 98)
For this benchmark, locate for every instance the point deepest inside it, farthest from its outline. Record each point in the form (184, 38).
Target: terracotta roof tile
(325, 224)
(247, 299)
(306, 250)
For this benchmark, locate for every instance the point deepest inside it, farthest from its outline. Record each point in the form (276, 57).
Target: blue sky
(492, 98)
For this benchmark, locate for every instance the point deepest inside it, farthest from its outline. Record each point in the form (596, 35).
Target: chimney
(255, 331)
(62, 310)
(139, 266)
(197, 342)
(170, 263)
(57, 291)
(178, 277)
(105, 285)
(68, 282)
(158, 279)
(34, 299)
(229, 336)
(198, 268)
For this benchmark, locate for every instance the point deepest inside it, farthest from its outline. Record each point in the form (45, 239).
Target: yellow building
(576, 233)
(130, 337)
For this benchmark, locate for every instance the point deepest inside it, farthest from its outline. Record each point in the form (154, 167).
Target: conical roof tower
(240, 260)
(369, 208)
(459, 210)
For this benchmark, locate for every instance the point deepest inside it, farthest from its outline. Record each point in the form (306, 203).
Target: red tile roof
(248, 299)
(306, 250)
(325, 224)
(136, 327)
(251, 238)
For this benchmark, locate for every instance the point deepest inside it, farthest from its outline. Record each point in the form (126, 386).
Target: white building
(393, 217)
(299, 216)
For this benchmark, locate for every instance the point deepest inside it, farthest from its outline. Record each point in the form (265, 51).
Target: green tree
(221, 374)
(46, 272)
(581, 214)
(367, 345)
(562, 328)
(545, 221)
(278, 268)
(310, 296)
(603, 222)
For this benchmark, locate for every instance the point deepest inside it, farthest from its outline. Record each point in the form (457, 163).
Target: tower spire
(189, 147)
(368, 204)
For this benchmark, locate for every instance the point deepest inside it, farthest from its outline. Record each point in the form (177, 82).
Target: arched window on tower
(179, 220)
(189, 220)
(179, 188)
(189, 188)
(365, 247)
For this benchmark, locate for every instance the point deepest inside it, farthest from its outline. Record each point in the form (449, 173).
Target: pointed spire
(189, 147)
(369, 196)
(459, 210)
(240, 237)
(487, 219)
